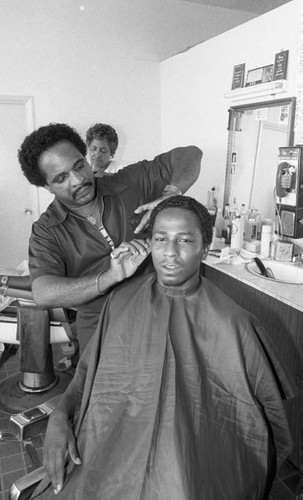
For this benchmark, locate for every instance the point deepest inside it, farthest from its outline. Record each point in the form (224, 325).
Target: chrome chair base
(36, 382)
(13, 399)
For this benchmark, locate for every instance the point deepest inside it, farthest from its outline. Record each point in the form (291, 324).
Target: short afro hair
(103, 131)
(201, 213)
(39, 141)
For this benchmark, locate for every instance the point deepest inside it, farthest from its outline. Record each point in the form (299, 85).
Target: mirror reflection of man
(174, 398)
(71, 243)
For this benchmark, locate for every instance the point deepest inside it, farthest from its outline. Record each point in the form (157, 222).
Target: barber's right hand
(59, 441)
(127, 257)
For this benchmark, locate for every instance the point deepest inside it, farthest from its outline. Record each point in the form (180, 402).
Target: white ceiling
(150, 30)
(157, 29)
(213, 17)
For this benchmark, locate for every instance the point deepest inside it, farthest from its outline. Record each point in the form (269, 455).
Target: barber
(76, 247)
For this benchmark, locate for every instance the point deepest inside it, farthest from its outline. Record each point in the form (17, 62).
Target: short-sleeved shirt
(112, 168)
(64, 244)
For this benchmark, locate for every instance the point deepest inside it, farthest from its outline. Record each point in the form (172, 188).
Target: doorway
(19, 205)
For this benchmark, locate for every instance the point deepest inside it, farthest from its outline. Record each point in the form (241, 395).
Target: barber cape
(178, 400)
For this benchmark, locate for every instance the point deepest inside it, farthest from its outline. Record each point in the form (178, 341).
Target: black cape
(180, 400)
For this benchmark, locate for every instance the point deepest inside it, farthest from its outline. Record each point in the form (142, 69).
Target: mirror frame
(291, 101)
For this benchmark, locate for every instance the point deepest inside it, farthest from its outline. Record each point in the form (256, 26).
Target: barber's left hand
(126, 258)
(149, 207)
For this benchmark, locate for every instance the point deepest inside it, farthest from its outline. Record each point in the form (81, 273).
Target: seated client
(174, 397)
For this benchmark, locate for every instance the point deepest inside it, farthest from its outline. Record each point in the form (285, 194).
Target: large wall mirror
(256, 131)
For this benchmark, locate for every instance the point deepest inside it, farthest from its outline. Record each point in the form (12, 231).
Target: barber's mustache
(84, 185)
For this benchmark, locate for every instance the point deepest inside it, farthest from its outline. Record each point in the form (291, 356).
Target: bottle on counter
(244, 217)
(212, 204)
(251, 229)
(236, 240)
(226, 233)
(211, 197)
(219, 224)
(266, 237)
(233, 208)
(255, 220)
(259, 225)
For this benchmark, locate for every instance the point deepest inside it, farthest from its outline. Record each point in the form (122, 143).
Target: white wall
(78, 75)
(193, 84)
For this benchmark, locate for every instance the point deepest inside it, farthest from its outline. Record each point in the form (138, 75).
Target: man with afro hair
(91, 237)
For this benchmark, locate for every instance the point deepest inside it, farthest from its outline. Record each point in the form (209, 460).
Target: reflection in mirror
(256, 131)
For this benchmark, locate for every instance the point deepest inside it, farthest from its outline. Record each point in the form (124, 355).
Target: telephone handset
(285, 179)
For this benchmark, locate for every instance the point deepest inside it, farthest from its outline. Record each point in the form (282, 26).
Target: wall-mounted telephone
(285, 179)
(289, 191)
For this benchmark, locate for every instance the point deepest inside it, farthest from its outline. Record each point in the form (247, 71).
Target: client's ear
(205, 252)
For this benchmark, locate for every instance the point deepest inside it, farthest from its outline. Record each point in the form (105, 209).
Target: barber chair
(24, 487)
(23, 426)
(22, 320)
(30, 395)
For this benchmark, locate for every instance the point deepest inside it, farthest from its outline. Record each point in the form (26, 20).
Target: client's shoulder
(133, 286)
(220, 300)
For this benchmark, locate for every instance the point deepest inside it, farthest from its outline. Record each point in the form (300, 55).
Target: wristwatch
(4, 280)
(3, 285)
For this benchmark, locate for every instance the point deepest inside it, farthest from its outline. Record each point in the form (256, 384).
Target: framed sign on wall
(280, 66)
(259, 75)
(238, 76)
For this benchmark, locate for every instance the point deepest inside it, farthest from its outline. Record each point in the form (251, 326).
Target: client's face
(177, 248)
(99, 154)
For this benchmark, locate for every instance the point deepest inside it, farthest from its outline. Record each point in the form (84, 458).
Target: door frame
(28, 103)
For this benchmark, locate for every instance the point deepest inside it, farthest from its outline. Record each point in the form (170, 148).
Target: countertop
(290, 294)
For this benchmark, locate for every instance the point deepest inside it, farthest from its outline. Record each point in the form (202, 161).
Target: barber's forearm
(186, 164)
(51, 291)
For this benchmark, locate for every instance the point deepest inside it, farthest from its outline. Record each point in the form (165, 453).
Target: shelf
(261, 89)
